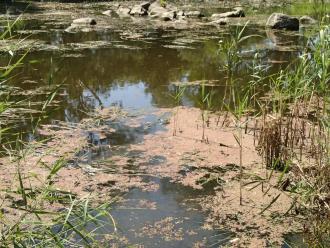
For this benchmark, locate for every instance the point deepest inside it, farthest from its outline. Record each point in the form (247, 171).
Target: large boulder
(237, 12)
(84, 21)
(282, 21)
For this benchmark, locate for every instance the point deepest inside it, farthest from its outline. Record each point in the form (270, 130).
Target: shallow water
(110, 68)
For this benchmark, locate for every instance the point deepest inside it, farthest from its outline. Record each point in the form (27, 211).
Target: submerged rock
(237, 12)
(307, 20)
(282, 21)
(84, 21)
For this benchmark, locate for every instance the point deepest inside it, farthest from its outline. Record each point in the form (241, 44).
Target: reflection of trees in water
(102, 70)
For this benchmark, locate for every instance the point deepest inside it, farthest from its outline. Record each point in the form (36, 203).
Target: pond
(138, 68)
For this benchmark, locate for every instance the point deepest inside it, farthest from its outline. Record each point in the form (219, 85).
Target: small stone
(234, 241)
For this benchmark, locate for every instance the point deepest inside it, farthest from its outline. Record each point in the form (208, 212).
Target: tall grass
(291, 123)
(294, 131)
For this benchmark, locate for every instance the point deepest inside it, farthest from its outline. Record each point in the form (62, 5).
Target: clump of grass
(37, 222)
(230, 49)
(41, 225)
(293, 128)
(291, 125)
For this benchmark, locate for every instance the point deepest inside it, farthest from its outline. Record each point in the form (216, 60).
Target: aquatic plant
(205, 104)
(230, 49)
(293, 129)
(289, 114)
(177, 97)
(238, 108)
(163, 2)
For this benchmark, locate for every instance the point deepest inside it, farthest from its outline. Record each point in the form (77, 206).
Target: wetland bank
(164, 123)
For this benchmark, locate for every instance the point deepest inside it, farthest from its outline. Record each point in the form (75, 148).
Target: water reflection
(171, 203)
(136, 78)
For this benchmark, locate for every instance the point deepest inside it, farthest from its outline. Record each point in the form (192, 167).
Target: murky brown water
(108, 68)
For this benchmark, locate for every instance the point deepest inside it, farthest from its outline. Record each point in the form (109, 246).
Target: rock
(169, 16)
(282, 21)
(145, 5)
(220, 21)
(166, 13)
(156, 10)
(307, 20)
(82, 25)
(234, 241)
(155, 5)
(138, 10)
(237, 12)
(194, 14)
(123, 11)
(180, 14)
(84, 21)
(107, 12)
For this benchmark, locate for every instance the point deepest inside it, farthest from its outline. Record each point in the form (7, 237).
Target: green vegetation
(290, 113)
(35, 222)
